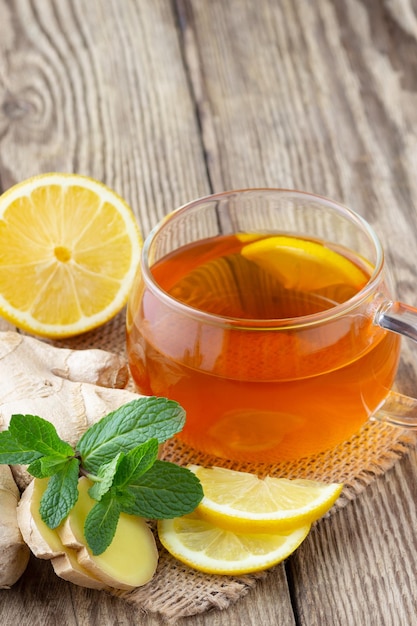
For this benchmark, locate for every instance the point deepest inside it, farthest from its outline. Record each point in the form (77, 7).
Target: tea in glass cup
(264, 313)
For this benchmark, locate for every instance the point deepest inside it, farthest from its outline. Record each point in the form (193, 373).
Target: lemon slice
(303, 265)
(242, 502)
(69, 250)
(213, 550)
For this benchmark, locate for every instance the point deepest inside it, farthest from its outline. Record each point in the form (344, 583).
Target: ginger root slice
(45, 542)
(68, 568)
(71, 388)
(131, 559)
(129, 562)
(14, 551)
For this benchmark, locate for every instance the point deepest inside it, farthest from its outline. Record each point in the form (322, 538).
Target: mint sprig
(119, 454)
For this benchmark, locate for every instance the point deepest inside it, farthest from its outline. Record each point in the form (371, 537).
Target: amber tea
(263, 368)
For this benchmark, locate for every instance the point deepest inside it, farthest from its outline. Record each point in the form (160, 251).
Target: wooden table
(168, 100)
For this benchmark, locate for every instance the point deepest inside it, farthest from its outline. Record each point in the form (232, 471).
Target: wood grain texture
(166, 100)
(306, 94)
(359, 566)
(100, 91)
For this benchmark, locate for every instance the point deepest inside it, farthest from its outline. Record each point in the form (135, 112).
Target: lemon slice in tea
(69, 250)
(304, 265)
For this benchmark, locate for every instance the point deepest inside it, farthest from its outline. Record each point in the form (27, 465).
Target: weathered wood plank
(358, 567)
(306, 95)
(100, 89)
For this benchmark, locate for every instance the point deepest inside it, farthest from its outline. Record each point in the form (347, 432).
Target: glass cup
(267, 314)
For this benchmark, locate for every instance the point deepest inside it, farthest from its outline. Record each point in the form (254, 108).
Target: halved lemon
(242, 502)
(302, 264)
(213, 550)
(69, 250)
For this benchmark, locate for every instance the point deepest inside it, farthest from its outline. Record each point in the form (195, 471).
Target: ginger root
(70, 388)
(130, 561)
(45, 542)
(14, 551)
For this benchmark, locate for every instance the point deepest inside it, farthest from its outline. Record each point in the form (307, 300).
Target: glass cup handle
(398, 409)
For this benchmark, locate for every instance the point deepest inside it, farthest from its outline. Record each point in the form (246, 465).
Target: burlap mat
(177, 591)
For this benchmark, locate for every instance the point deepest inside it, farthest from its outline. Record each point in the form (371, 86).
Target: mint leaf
(47, 466)
(101, 523)
(60, 495)
(164, 491)
(124, 468)
(136, 462)
(11, 451)
(127, 427)
(105, 477)
(32, 440)
(36, 433)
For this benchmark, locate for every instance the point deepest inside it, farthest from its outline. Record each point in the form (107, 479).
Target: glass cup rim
(274, 323)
